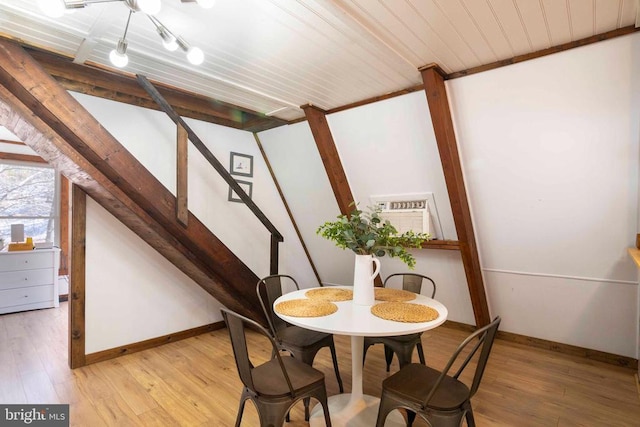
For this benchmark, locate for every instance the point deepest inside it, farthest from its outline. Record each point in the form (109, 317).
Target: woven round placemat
(404, 312)
(306, 308)
(330, 294)
(393, 295)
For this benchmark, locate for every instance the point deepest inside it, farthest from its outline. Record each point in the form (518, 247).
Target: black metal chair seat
(275, 385)
(267, 380)
(412, 383)
(303, 344)
(439, 397)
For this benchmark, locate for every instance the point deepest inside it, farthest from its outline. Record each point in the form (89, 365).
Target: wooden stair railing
(36, 108)
(276, 237)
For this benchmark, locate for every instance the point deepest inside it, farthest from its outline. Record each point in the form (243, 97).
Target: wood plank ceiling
(273, 56)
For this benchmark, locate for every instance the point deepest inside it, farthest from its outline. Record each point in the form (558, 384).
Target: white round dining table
(357, 409)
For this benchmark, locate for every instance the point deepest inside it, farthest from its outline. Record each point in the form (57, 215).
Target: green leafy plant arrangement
(365, 233)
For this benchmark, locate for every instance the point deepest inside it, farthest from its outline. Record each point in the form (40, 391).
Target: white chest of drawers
(29, 280)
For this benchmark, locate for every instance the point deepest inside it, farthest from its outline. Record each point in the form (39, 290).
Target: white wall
(132, 292)
(298, 168)
(550, 157)
(150, 136)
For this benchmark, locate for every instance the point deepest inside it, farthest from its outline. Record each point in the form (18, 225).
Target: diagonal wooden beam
(317, 120)
(447, 147)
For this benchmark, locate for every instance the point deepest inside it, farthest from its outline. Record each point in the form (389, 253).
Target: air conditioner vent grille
(407, 204)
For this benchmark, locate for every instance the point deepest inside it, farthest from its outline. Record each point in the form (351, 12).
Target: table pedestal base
(346, 411)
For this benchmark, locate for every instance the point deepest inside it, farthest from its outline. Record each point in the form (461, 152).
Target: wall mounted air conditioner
(410, 212)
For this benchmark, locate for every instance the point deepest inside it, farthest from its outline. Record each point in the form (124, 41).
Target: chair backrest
(236, 324)
(413, 282)
(269, 289)
(481, 339)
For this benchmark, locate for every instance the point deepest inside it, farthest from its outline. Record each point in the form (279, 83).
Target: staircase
(50, 121)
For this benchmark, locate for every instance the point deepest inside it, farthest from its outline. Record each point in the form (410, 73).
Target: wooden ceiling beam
(94, 80)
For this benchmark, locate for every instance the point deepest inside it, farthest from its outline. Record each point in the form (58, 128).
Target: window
(28, 195)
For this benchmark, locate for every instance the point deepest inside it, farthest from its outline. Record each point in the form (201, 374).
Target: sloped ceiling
(272, 56)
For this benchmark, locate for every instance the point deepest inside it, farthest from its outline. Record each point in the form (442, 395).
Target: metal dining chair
(436, 396)
(402, 345)
(276, 385)
(302, 343)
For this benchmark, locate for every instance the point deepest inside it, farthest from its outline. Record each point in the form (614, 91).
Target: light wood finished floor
(194, 382)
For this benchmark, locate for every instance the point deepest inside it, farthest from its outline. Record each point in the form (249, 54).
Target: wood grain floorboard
(194, 382)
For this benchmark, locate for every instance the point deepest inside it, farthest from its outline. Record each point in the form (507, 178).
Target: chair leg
(471, 422)
(420, 353)
(364, 352)
(307, 401)
(327, 418)
(386, 406)
(388, 356)
(243, 399)
(332, 347)
(322, 398)
(411, 417)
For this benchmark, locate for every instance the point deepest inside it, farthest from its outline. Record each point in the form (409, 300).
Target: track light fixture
(118, 56)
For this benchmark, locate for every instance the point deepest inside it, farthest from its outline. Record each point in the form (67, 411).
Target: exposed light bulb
(195, 56)
(52, 8)
(118, 56)
(150, 7)
(206, 4)
(118, 59)
(168, 40)
(171, 45)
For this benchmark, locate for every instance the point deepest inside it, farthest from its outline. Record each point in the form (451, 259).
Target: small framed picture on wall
(241, 164)
(246, 186)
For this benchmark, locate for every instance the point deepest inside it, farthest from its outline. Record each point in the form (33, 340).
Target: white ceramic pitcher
(363, 276)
